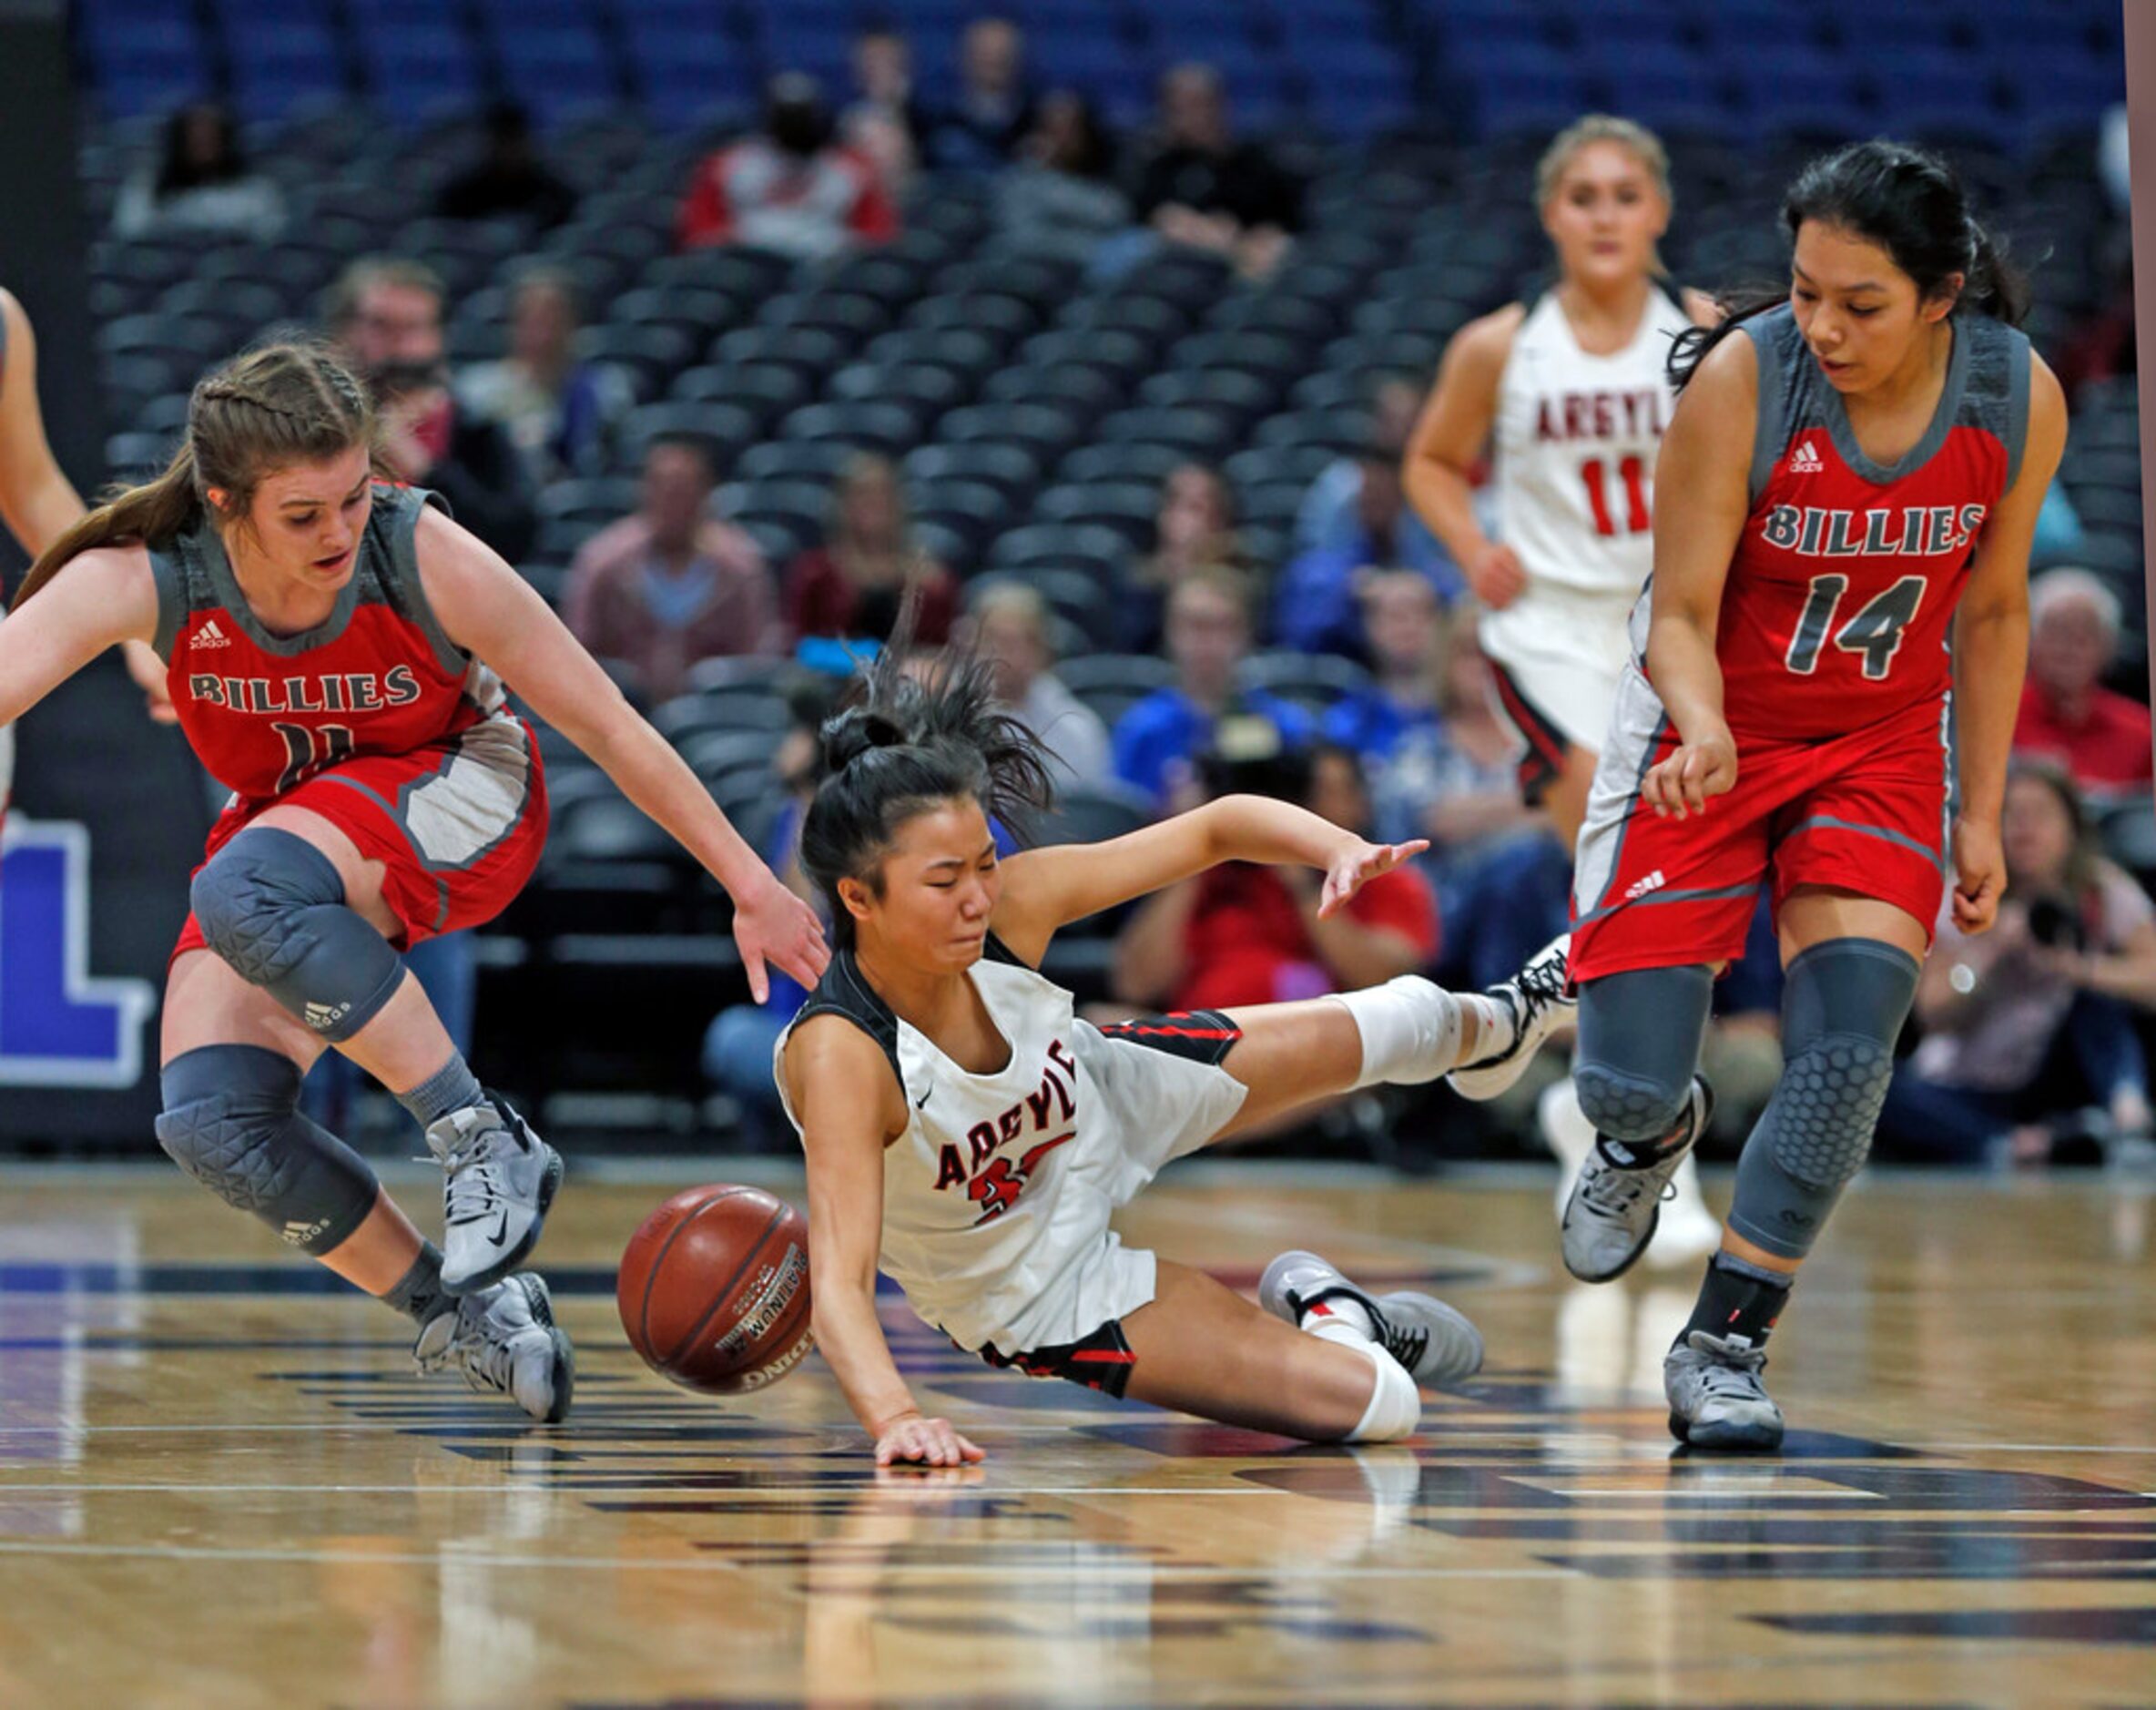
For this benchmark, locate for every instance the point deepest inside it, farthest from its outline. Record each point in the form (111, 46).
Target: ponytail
(151, 514)
(1994, 285)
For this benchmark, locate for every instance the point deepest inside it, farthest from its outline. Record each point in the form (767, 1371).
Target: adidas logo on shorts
(1803, 460)
(1641, 886)
(210, 635)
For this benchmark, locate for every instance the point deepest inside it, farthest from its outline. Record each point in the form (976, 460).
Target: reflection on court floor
(220, 1482)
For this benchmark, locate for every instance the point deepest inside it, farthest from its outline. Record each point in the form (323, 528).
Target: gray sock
(419, 1294)
(452, 1087)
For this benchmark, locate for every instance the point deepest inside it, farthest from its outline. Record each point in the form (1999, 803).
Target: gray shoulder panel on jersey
(1769, 333)
(396, 514)
(1995, 395)
(172, 601)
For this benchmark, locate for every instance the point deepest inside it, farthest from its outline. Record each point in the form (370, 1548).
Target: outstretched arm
(1045, 889)
(97, 600)
(1703, 471)
(850, 1106)
(35, 498)
(491, 611)
(1990, 654)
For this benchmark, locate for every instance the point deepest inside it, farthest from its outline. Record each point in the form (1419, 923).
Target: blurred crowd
(2031, 1041)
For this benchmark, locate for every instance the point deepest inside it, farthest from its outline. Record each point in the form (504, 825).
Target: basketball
(713, 1289)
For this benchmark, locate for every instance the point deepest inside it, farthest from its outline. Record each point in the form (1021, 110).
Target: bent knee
(1636, 1108)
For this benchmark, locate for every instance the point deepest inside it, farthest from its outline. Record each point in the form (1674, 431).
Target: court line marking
(451, 1556)
(522, 1486)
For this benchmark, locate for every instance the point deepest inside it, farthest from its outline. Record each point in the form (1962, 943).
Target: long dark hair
(1908, 201)
(905, 746)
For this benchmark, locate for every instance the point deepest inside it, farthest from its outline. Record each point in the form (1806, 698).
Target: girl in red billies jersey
(1838, 612)
(331, 646)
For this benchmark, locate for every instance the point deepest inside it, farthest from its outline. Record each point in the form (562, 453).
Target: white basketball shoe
(1539, 1002)
(504, 1341)
(501, 1179)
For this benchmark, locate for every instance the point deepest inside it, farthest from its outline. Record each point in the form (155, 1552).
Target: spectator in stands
(885, 125)
(1157, 741)
(1331, 517)
(1195, 529)
(738, 1045)
(1205, 189)
(1243, 935)
(1062, 198)
(200, 185)
(2100, 736)
(1314, 607)
(852, 585)
(1403, 639)
(387, 312)
(993, 112)
(509, 177)
(671, 584)
(1011, 628)
(2028, 1038)
(1502, 877)
(790, 188)
(558, 412)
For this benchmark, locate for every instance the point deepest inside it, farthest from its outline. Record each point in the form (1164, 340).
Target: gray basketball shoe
(1537, 997)
(1616, 1198)
(1717, 1399)
(1435, 1342)
(502, 1178)
(505, 1342)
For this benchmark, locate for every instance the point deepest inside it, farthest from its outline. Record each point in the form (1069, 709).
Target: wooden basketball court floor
(220, 1483)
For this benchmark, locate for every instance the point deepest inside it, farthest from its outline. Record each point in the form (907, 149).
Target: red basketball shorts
(1865, 812)
(457, 827)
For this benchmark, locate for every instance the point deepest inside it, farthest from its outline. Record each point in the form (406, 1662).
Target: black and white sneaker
(1435, 1342)
(1540, 999)
(504, 1341)
(501, 1179)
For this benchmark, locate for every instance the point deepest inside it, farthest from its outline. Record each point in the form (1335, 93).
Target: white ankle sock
(1338, 1319)
(1411, 1030)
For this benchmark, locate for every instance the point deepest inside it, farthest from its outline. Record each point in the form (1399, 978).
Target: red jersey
(1836, 613)
(265, 712)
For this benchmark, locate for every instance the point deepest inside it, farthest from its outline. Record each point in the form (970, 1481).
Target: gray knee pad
(272, 905)
(1640, 1035)
(232, 1121)
(1842, 1011)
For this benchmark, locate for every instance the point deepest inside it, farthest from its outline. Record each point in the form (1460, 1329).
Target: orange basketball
(713, 1289)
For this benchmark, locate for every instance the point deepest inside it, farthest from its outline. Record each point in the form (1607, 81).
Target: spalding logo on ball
(713, 1289)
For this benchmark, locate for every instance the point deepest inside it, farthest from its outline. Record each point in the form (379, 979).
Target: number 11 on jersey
(1633, 474)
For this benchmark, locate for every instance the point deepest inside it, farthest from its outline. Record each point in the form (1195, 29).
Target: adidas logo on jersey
(1803, 460)
(1653, 882)
(210, 635)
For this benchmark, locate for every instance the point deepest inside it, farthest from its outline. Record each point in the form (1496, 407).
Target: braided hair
(911, 740)
(269, 409)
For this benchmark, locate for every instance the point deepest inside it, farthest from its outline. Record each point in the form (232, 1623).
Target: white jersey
(1575, 442)
(1574, 445)
(996, 1197)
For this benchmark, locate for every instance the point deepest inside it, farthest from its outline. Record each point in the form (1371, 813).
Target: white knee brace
(1411, 1030)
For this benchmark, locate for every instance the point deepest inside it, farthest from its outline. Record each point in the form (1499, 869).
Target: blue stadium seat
(416, 75)
(277, 66)
(558, 73)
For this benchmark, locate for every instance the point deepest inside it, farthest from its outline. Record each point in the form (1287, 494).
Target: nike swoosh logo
(922, 1101)
(501, 1230)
